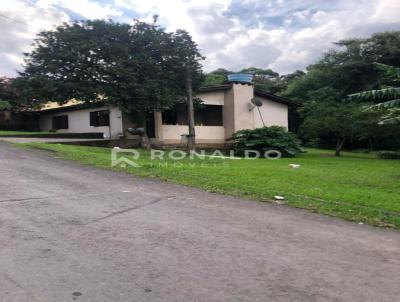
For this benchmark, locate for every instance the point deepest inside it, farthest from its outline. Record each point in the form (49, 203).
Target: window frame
(96, 120)
(60, 122)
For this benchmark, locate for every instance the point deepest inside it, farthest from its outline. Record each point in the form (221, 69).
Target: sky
(284, 35)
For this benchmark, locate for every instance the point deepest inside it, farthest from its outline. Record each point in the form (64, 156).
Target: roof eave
(276, 98)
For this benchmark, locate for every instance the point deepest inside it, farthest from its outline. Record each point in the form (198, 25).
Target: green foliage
(359, 65)
(389, 154)
(388, 97)
(350, 69)
(212, 79)
(265, 79)
(266, 138)
(339, 121)
(4, 105)
(376, 95)
(138, 67)
(9, 96)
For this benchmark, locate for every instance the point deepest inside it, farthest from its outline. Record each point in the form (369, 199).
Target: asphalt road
(73, 233)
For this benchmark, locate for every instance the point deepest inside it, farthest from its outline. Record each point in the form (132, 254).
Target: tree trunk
(371, 144)
(144, 138)
(190, 108)
(339, 145)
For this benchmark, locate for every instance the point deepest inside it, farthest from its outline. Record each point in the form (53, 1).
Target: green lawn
(16, 133)
(358, 187)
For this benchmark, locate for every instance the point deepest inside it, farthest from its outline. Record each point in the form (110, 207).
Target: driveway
(73, 233)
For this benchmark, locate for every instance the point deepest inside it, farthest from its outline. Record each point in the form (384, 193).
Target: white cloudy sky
(284, 35)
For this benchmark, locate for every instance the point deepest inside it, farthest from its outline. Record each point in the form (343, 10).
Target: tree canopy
(137, 67)
(354, 69)
(9, 96)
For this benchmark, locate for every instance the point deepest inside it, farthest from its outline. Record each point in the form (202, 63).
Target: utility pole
(190, 108)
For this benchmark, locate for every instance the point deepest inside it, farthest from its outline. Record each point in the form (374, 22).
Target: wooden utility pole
(190, 108)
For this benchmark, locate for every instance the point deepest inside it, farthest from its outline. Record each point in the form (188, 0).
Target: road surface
(75, 233)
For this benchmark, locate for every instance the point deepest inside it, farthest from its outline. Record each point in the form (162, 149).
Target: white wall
(273, 113)
(203, 133)
(79, 121)
(212, 97)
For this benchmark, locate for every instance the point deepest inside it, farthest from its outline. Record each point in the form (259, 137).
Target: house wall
(204, 134)
(79, 121)
(236, 116)
(212, 98)
(172, 134)
(229, 113)
(273, 114)
(243, 118)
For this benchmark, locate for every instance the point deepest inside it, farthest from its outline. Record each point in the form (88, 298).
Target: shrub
(264, 139)
(389, 154)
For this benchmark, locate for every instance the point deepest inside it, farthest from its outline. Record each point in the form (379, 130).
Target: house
(225, 109)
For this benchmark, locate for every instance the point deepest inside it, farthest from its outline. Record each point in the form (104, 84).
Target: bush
(389, 154)
(266, 138)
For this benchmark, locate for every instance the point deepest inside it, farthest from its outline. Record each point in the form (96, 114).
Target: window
(206, 115)
(100, 118)
(175, 116)
(60, 122)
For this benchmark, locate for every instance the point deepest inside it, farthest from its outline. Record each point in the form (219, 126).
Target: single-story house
(225, 109)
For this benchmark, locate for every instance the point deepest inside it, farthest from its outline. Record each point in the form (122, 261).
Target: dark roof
(257, 92)
(275, 98)
(215, 88)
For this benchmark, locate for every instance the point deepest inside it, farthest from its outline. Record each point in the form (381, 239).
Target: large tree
(139, 68)
(330, 120)
(9, 96)
(349, 69)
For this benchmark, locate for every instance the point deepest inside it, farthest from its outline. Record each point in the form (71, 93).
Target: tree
(348, 70)
(217, 77)
(187, 63)
(265, 79)
(139, 68)
(330, 119)
(9, 96)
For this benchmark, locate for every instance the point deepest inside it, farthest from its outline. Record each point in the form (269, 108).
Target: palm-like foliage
(389, 98)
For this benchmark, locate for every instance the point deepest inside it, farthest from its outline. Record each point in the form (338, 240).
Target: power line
(16, 20)
(12, 19)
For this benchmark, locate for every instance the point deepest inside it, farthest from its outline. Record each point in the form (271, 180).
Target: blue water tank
(240, 77)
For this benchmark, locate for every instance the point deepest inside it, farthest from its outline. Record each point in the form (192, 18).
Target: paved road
(72, 233)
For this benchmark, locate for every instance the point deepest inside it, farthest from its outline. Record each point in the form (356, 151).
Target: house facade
(224, 110)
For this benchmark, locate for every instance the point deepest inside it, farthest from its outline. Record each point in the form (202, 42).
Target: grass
(14, 133)
(356, 187)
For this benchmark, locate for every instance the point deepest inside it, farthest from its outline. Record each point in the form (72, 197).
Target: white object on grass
(277, 197)
(294, 166)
